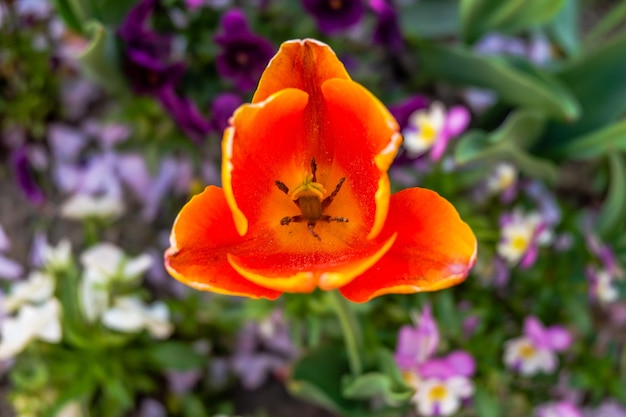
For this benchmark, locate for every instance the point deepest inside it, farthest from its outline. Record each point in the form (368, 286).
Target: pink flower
(417, 343)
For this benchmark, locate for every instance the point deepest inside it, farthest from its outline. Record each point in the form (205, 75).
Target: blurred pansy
(520, 237)
(25, 175)
(222, 107)
(9, 269)
(558, 409)
(244, 54)
(32, 322)
(417, 343)
(387, 31)
(82, 206)
(129, 314)
(37, 288)
(443, 383)
(503, 180)
(602, 286)
(536, 350)
(334, 16)
(306, 199)
(430, 130)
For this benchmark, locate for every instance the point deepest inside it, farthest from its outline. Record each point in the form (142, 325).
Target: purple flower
(609, 408)
(560, 409)
(417, 343)
(147, 53)
(555, 338)
(457, 363)
(262, 348)
(244, 55)
(430, 130)
(185, 113)
(387, 30)
(535, 351)
(24, 174)
(222, 108)
(403, 110)
(334, 16)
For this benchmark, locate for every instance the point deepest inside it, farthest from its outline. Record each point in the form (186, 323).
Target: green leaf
(597, 143)
(613, 213)
(483, 16)
(516, 83)
(99, 61)
(485, 403)
(563, 29)
(317, 378)
(176, 355)
(518, 131)
(597, 80)
(522, 127)
(430, 18)
(387, 383)
(70, 14)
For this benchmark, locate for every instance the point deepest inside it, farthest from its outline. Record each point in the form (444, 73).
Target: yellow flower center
(438, 392)
(428, 131)
(335, 4)
(527, 351)
(519, 243)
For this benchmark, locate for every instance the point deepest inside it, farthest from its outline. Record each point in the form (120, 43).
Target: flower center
(428, 131)
(519, 243)
(527, 351)
(310, 197)
(438, 392)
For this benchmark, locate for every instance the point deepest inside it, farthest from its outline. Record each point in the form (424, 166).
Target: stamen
(310, 227)
(332, 196)
(314, 170)
(282, 187)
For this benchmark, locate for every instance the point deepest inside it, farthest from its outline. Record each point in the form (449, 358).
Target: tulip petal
(302, 272)
(434, 249)
(302, 64)
(202, 235)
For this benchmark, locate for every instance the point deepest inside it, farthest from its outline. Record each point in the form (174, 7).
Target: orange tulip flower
(305, 201)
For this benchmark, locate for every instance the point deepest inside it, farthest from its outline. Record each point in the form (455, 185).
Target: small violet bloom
(9, 269)
(443, 383)
(559, 409)
(417, 343)
(263, 348)
(333, 16)
(431, 130)
(602, 285)
(387, 30)
(503, 181)
(320, 212)
(244, 55)
(535, 351)
(147, 53)
(520, 237)
(25, 175)
(222, 108)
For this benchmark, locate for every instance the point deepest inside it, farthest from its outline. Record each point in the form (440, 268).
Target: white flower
(528, 359)
(59, 256)
(503, 177)
(605, 288)
(442, 397)
(131, 315)
(81, 206)
(105, 264)
(517, 235)
(106, 261)
(37, 288)
(424, 128)
(32, 322)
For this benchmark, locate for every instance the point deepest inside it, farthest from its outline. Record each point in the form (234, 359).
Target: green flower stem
(609, 22)
(351, 331)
